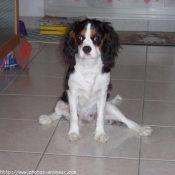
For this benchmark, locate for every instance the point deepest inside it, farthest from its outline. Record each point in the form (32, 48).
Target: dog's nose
(87, 49)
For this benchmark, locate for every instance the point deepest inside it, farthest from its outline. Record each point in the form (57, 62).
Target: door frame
(14, 41)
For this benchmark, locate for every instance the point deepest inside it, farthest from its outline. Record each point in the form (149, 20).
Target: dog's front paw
(45, 120)
(73, 136)
(102, 138)
(145, 131)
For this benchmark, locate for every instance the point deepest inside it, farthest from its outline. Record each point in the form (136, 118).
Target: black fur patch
(105, 70)
(109, 89)
(69, 71)
(64, 97)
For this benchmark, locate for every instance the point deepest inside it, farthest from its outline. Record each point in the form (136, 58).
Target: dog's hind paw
(45, 120)
(102, 138)
(145, 131)
(73, 137)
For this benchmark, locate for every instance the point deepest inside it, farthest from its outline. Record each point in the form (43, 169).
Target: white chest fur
(88, 82)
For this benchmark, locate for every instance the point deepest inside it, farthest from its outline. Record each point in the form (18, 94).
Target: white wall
(31, 7)
(132, 15)
(117, 9)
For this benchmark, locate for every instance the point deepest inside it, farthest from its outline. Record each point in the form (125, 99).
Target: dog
(90, 49)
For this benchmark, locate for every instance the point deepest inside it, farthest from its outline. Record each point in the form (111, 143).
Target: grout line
(139, 159)
(165, 101)
(47, 146)
(28, 95)
(16, 119)
(159, 126)
(90, 156)
(115, 79)
(127, 65)
(143, 107)
(43, 61)
(162, 160)
(123, 125)
(157, 81)
(57, 96)
(36, 76)
(160, 65)
(144, 88)
(25, 152)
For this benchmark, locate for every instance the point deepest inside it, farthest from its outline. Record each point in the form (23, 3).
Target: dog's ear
(111, 45)
(70, 47)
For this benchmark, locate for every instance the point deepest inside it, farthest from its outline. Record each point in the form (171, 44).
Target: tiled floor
(143, 76)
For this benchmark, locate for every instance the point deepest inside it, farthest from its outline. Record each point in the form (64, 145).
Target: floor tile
(131, 58)
(160, 73)
(157, 167)
(89, 165)
(5, 81)
(11, 72)
(33, 54)
(160, 145)
(132, 48)
(35, 92)
(161, 49)
(36, 86)
(24, 107)
(161, 59)
(45, 69)
(159, 113)
(52, 46)
(127, 89)
(18, 161)
(133, 72)
(37, 45)
(132, 109)
(160, 91)
(121, 141)
(49, 55)
(28, 136)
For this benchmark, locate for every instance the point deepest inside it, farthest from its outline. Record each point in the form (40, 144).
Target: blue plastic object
(22, 28)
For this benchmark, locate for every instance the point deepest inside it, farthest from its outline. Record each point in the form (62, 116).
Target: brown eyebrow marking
(83, 33)
(72, 34)
(93, 32)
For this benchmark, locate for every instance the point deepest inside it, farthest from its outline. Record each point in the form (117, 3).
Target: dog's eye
(96, 38)
(80, 38)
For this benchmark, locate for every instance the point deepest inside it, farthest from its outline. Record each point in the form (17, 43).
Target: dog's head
(90, 39)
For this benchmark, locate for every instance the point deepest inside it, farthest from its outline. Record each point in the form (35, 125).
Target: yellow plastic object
(53, 30)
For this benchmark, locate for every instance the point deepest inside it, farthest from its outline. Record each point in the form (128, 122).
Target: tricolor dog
(90, 49)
